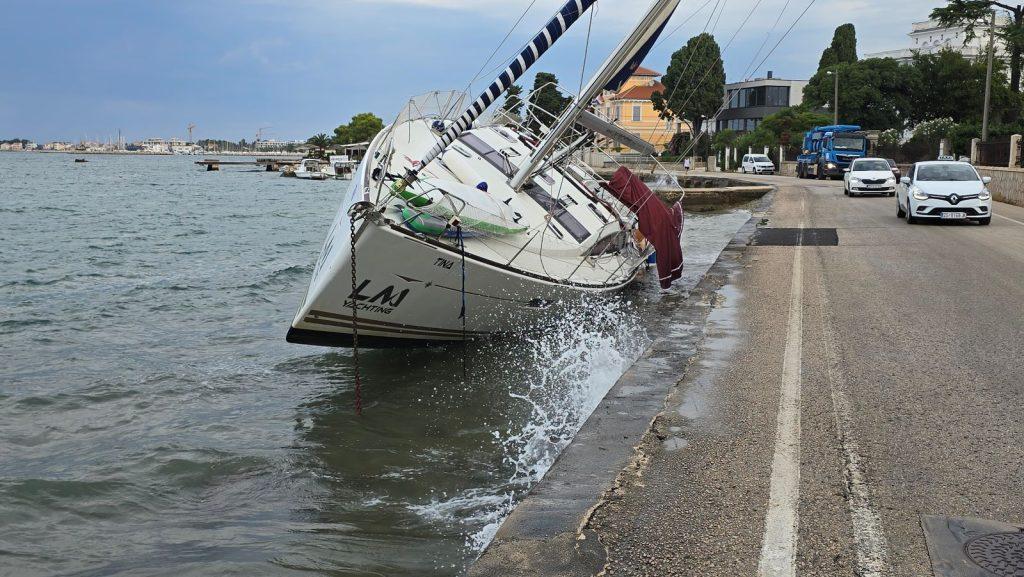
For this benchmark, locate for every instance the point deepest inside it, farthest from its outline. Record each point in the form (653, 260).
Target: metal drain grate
(796, 237)
(964, 547)
(1001, 554)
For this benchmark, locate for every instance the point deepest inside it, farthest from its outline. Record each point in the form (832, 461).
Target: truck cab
(829, 150)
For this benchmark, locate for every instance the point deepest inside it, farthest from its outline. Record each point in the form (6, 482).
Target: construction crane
(259, 136)
(190, 127)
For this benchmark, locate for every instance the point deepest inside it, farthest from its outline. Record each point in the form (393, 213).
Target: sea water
(154, 421)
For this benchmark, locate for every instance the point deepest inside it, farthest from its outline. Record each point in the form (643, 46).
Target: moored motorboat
(340, 167)
(452, 230)
(311, 169)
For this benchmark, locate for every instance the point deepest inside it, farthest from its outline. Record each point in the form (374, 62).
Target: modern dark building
(748, 102)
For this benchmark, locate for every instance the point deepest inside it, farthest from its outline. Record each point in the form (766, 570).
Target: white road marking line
(1008, 218)
(778, 550)
(870, 544)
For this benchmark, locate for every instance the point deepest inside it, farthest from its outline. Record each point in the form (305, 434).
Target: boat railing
(439, 104)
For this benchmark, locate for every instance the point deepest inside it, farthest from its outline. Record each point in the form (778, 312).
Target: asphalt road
(843, 391)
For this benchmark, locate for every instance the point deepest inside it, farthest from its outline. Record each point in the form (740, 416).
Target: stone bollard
(974, 150)
(1015, 150)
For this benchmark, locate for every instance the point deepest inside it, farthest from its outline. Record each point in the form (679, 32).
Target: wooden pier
(270, 164)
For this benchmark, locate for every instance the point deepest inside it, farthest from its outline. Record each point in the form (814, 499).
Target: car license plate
(954, 215)
(874, 186)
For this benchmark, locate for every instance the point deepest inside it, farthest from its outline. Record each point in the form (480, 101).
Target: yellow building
(632, 109)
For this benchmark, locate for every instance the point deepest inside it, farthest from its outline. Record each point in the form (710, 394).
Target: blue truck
(828, 150)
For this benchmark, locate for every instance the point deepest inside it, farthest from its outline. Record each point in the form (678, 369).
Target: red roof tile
(641, 71)
(639, 92)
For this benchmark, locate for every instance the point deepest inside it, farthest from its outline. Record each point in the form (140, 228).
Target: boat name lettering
(444, 263)
(386, 297)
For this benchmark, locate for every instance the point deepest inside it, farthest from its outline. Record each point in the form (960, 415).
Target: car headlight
(890, 181)
(854, 179)
(985, 194)
(919, 194)
(830, 165)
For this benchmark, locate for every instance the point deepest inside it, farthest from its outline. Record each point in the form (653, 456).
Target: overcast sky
(74, 69)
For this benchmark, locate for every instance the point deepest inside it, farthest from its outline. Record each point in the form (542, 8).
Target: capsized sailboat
(452, 230)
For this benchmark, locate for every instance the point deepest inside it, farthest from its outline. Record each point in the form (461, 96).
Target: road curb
(547, 533)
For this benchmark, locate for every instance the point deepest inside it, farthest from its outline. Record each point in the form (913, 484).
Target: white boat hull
(409, 290)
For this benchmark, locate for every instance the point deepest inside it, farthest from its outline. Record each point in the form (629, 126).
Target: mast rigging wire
(766, 56)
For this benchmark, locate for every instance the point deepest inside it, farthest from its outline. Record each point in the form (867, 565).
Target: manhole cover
(796, 237)
(1000, 553)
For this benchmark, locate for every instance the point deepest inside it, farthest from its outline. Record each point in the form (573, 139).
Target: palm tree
(321, 142)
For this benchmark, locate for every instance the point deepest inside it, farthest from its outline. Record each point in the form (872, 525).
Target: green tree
(546, 97)
(513, 100)
(362, 128)
(961, 84)
(874, 93)
(695, 82)
(843, 49)
(789, 125)
(975, 14)
(723, 139)
(320, 142)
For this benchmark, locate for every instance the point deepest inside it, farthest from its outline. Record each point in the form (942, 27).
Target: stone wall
(1007, 183)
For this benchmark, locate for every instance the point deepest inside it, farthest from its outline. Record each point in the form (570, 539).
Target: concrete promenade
(823, 393)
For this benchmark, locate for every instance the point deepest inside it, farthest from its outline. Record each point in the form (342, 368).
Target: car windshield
(848, 143)
(892, 163)
(866, 165)
(759, 158)
(946, 172)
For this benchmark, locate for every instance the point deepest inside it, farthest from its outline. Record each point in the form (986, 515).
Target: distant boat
(341, 167)
(81, 160)
(311, 169)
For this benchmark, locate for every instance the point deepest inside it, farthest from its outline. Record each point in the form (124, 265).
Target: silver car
(869, 176)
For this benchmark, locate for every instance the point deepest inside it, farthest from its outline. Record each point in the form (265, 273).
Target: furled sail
(619, 66)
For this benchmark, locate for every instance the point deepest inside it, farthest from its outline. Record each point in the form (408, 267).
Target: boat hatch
(488, 153)
(558, 211)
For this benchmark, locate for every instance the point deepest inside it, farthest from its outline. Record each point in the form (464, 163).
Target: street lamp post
(988, 77)
(835, 97)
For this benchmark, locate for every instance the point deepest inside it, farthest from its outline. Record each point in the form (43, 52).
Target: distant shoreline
(148, 153)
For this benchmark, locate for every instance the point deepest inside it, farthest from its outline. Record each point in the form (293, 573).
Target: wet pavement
(838, 394)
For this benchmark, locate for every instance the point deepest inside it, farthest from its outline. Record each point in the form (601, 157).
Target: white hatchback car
(947, 190)
(869, 176)
(757, 164)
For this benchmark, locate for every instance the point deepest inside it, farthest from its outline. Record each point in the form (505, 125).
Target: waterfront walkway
(843, 391)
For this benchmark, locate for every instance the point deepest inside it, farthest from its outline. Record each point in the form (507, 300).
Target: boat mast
(552, 31)
(612, 75)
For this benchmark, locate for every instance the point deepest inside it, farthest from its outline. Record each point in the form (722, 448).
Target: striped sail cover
(554, 29)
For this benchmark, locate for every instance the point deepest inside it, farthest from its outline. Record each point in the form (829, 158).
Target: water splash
(569, 369)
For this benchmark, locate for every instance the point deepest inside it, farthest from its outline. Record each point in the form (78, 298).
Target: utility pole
(988, 77)
(835, 97)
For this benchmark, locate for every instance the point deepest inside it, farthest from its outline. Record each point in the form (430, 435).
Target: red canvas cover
(661, 225)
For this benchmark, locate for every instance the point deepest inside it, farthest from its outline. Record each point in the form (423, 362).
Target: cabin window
(488, 153)
(559, 213)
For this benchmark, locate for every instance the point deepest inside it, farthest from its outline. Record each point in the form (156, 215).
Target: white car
(947, 190)
(869, 176)
(757, 164)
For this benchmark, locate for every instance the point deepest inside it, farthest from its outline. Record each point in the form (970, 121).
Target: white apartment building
(928, 37)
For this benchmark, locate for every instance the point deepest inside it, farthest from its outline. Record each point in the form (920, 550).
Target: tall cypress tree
(843, 49)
